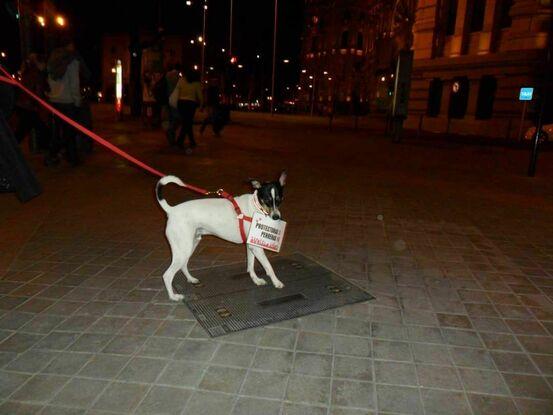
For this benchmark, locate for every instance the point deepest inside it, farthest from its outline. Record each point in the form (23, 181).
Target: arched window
(486, 97)
(359, 40)
(344, 41)
(434, 97)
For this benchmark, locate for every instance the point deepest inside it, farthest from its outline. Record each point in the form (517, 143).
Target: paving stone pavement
(454, 242)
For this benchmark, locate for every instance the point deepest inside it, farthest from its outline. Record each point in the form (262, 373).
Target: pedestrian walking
(30, 117)
(188, 94)
(171, 79)
(65, 96)
(217, 113)
(148, 101)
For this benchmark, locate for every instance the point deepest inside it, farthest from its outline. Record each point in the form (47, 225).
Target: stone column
(459, 38)
(486, 41)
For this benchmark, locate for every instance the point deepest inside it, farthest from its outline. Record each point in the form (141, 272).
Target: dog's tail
(159, 187)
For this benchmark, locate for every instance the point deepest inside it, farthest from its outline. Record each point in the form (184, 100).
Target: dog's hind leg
(262, 258)
(188, 248)
(251, 268)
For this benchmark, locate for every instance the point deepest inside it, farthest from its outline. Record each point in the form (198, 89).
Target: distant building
(471, 57)
(348, 51)
(336, 46)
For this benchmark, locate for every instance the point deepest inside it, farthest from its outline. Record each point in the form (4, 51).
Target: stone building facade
(337, 49)
(471, 57)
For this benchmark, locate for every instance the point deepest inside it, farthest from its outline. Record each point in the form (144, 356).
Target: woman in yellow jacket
(190, 97)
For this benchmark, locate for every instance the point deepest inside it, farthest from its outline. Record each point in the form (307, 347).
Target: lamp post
(274, 59)
(203, 42)
(230, 28)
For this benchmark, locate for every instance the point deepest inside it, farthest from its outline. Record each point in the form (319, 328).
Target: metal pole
(523, 116)
(203, 43)
(274, 59)
(313, 94)
(230, 28)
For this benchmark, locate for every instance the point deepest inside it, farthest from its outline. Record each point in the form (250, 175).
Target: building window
(477, 15)
(459, 97)
(344, 41)
(486, 97)
(359, 41)
(435, 97)
(451, 17)
(504, 14)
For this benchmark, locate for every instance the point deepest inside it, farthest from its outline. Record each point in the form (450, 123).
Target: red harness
(225, 195)
(239, 215)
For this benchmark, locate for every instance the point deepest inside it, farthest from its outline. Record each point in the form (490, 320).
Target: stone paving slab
(461, 267)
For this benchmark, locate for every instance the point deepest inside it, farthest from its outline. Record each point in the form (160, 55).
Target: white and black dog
(189, 221)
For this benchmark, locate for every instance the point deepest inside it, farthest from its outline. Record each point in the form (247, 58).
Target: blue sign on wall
(526, 94)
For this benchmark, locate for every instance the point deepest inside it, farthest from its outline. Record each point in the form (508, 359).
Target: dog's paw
(259, 281)
(176, 297)
(278, 285)
(193, 280)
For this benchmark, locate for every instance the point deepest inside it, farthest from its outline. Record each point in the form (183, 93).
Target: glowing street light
(258, 56)
(240, 66)
(310, 76)
(383, 78)
(192, 41)
(286, 60)
(118, 87)
(303, 70)
(325, 72)
(3, 54)
(41, 20)
(223, 50)
(200, 39)
(60, 21)
(195, 67)
(188, 3)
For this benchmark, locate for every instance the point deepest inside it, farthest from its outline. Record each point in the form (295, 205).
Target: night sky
(253, 27)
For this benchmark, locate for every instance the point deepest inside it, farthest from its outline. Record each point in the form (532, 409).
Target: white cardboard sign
(266, 232)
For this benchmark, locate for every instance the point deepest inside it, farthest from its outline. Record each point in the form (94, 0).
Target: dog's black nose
(276, 217)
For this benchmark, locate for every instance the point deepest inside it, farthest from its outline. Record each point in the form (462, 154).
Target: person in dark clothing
(190, 96)
(29, 113)
(217, 113)
(65, 96)
(15, 174)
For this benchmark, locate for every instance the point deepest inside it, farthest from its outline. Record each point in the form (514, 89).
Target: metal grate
(226, 300)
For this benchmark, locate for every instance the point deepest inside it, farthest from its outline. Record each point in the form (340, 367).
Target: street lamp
(202, 40)
(274, 58)
(60, 21)
(41, 20)
(3, 54)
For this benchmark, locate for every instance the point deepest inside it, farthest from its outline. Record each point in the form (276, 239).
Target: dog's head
(270, 194)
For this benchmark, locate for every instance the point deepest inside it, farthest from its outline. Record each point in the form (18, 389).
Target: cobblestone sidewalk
(453, 241)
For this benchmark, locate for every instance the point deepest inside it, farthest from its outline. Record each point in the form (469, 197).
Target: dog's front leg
(251, 268)
(262, 258)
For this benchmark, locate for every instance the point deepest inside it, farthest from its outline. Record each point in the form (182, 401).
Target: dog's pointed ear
(282, 178)
(255, 183)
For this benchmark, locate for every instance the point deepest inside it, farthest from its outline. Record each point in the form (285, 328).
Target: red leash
(221, 193)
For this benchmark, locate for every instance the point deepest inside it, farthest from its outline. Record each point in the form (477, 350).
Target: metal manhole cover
(226, 300)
